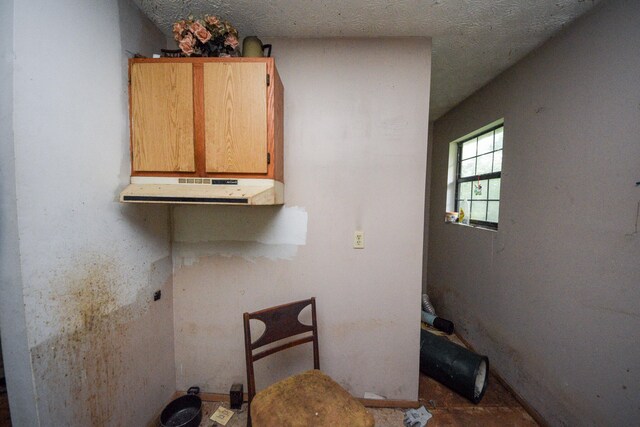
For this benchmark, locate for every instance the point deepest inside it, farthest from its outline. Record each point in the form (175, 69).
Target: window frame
(474, 178)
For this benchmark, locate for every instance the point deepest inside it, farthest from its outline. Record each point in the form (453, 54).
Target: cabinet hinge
(268, 158)
(268, 80)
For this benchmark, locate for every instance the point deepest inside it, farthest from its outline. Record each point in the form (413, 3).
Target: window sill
(479, 227)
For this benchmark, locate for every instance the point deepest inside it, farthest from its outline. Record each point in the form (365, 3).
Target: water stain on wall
(81, 371)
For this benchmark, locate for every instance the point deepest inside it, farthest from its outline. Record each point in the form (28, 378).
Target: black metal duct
(463, 371)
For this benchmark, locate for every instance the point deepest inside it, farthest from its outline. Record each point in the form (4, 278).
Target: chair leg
(248, 415)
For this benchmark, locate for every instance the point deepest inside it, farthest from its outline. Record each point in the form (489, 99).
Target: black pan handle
(268, 47)
(193, 390)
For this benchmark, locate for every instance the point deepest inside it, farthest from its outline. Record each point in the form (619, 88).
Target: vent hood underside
(203, 191)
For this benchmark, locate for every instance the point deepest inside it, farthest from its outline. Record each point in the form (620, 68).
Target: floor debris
(222, 415)
(417, 417)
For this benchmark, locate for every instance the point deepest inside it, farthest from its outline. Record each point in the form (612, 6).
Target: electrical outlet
(358, 240)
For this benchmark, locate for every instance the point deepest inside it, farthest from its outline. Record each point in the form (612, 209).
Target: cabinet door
(162, 117)
(235, 114)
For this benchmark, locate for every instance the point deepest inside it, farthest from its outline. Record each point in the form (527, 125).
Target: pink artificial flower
(203, 35)
(179, 27)
(200, 31)
(231, 41)
(212, 20)
(187, 43)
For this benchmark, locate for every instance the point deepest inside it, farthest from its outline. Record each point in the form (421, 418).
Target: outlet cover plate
(358, 239)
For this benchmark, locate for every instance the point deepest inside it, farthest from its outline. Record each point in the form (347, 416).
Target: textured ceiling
(473, 40)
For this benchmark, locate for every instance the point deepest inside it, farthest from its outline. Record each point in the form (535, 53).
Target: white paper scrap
(222, 415)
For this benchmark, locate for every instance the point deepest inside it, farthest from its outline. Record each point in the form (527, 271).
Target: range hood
(198, 191)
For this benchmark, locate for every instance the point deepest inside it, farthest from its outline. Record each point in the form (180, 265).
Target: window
(478, 175)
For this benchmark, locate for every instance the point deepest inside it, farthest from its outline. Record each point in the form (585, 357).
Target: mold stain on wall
(81, 371)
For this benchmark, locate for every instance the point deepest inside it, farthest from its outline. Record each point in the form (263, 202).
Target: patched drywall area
(355, 159)
(552, 296)
(101, 350)
(272, 232)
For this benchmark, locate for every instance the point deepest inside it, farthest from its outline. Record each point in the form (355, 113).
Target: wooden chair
(308, 399)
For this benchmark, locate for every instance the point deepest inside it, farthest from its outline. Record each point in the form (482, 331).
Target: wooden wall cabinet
(206, 117)
(217, 118)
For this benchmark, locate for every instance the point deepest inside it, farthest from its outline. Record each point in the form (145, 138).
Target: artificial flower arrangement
(209, 36)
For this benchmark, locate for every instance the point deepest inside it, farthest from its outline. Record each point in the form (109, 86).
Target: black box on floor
(235, 396)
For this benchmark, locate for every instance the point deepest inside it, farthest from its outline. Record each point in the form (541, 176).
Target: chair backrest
(280, 322)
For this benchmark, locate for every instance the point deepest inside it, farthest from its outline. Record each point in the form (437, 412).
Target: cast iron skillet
(185, 411)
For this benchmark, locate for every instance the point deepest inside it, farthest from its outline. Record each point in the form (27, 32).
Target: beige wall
(94, 348)
(13, 329)
(355, 156)
(552, 296)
